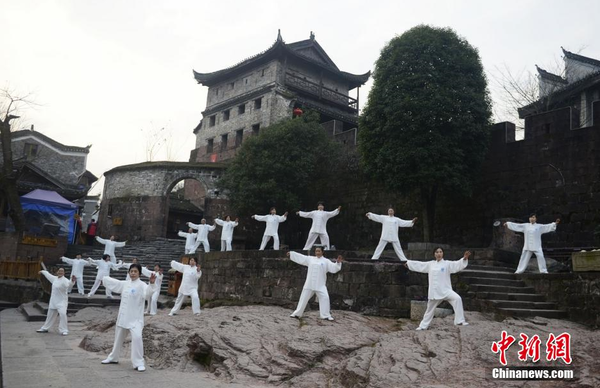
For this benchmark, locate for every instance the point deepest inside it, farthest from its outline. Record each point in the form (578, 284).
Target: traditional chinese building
(44, 163)
(266, 88)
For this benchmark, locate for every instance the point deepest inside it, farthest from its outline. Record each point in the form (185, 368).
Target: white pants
(79, 284)
(526, 255)
(95, 288)
(455, 301)
(266, 239)
(179, 302)
(51, 319)
(137, 345)
(225, 245)
(113, 258)
(381, 246)
(312, 238)
(190, 251)
(323, 298)
(204, 243)
(153, 303)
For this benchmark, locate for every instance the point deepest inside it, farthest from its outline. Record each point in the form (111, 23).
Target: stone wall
(384, 288)
(20, 291)
(577, 293)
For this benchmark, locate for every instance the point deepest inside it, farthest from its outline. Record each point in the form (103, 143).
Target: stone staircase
(160, 250)
(37, 310)
(498, 288)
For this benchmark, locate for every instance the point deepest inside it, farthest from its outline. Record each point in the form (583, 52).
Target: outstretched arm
(51, 278)
(418, 266)
(193, 226)
(219, 221)
(101, 240)
(304, 214)
(459, 265)
(177, 266)
(212, 227)
(515, 227)
(182, 234)
(374, 217)
(406, 223)
(259, 218)
(298, 258)
(113, 284)
(334, 212)
(67, 260)
(120, 244)
(549, 227)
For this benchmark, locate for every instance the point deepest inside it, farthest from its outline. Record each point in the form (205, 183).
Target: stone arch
(135, 198)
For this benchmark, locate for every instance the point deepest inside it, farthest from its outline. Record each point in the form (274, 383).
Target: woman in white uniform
(389, 232)
(189, 285)
(134, 293)
(109, 247)
(319, 225)
(440, 286)
(59, 301)
(202, 235)
(316, 279)
(153, 302)
(77, 265)
(227, 232)
(190, 241)
(273, 221)
(104, 267)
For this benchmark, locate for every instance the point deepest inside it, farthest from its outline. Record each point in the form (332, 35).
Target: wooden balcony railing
(28, 270)
(321, 91)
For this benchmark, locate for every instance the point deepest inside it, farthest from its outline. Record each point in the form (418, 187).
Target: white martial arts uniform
(319, 227)
(189, 286)
(109, 248)
(389, 234)
(77, 271)
(130, 317)
(59, 301)
(226, 233)
(316, 279)
(104, 268)
(190, 242)
(533, 243)
(153, 302)
(273, 221)
(202, 235)
(440, 287)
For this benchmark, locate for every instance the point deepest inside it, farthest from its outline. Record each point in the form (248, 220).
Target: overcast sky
(112, 73)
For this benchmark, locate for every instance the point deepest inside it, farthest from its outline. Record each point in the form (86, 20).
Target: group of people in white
(134, 292)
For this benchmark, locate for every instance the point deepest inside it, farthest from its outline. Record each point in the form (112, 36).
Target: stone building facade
(266, 88)
(47, 164)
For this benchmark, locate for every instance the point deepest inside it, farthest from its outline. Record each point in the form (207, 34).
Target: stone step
(515, 312)
(524, 305)
(508, 296)
(487, 274)
(493, 282)
(43, 307)
(98, 299)
(494, 288)
(492, 268)
(32, 313)
(8, 305)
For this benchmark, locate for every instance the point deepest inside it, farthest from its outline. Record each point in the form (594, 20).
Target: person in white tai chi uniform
(202, 235)
(109, 247)
(77, 265)
(134, 293)
(319, 225)
(440, 286)
(227, 232)
(273, 221)
(190, 241)
(153, 302)
(532, 232)
(189, 285)
(59, 301)
(128, 265)
(389, 232)
(104, 267)
(316, 279)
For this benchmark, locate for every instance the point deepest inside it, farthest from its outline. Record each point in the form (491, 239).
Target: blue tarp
(42, 207)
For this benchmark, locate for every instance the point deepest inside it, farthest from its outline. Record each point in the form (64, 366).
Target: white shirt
(532, 233)
(133, 295)
(202, 229)
(227, 232)
(104, 267)
(272, 221)
(59, 298)
(390, 225)
(159, 278)
(109, 246)
(316, 276)
(439, 272)
(190, 240)
(77, 265)
(320, 218)
(189, 283)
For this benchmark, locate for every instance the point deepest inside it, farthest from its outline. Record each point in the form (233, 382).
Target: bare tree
(10, 102)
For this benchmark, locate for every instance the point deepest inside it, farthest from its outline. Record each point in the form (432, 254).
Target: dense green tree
(280, 167)
(425, 128)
